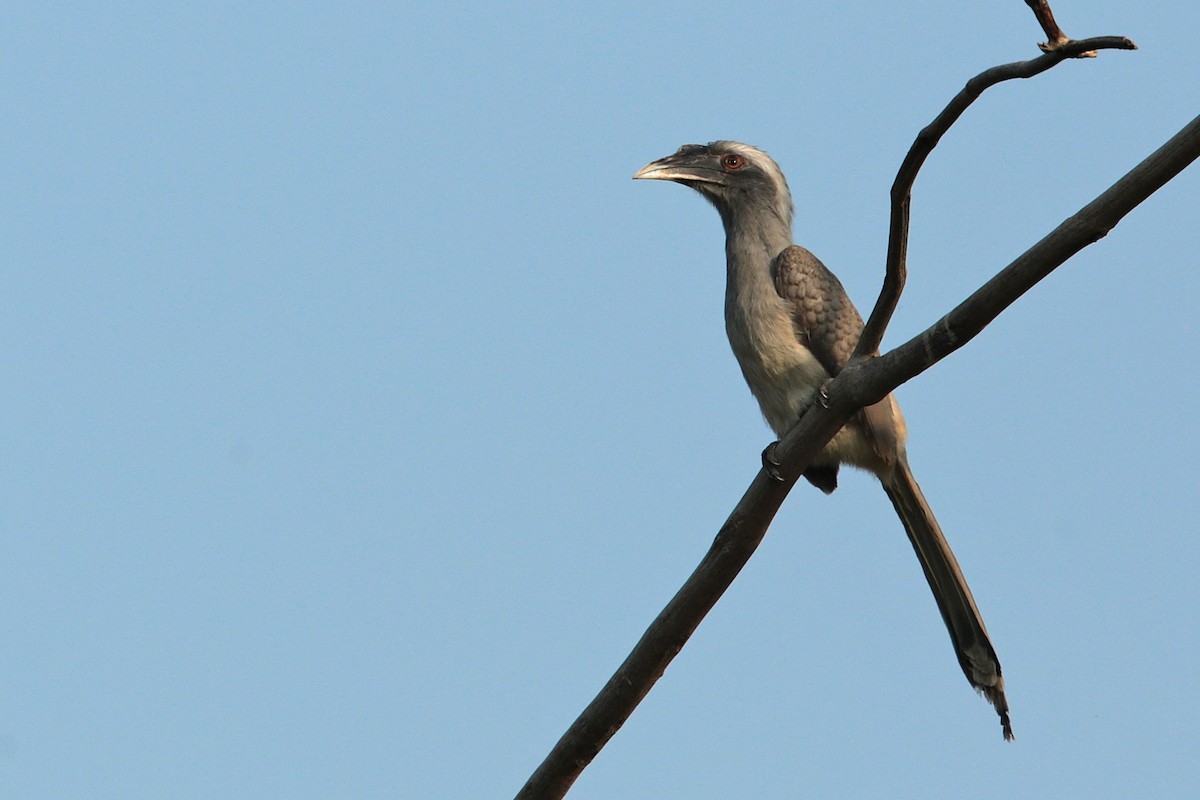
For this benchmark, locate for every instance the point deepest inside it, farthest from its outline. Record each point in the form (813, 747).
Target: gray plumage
(792, 327)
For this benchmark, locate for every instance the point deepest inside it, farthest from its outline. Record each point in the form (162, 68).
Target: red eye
(732, 161)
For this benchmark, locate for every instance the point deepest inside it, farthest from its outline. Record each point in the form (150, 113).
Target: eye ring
(732, 162)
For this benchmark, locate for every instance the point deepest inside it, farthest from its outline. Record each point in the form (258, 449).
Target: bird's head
(737, 178)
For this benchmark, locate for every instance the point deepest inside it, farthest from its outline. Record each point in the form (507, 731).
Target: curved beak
(689, 168)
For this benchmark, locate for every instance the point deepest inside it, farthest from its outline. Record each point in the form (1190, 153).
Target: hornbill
(792, 327)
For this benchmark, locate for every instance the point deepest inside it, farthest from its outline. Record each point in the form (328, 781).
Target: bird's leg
(770, 461)
(823, 394)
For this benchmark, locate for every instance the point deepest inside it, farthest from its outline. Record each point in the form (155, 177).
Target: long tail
(967, 631)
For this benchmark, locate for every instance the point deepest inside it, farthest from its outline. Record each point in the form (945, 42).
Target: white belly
(781, 372)
(784, 376)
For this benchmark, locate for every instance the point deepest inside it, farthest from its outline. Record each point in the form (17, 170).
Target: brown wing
(829, 325)
(822, 314)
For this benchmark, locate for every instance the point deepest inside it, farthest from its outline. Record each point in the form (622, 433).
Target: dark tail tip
(995, 696)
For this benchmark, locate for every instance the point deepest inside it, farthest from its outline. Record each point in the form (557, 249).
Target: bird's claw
(823, 394)
(770, 462)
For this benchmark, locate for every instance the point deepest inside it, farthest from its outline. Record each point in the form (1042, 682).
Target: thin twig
(896, 271)
(1045, 17)
(870, 381)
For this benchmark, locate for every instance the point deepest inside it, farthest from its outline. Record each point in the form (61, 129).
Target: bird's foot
(823, 394)
(770, 461)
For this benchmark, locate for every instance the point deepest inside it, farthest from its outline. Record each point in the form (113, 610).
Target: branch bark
(868, 382)
(1045, 17)
(896, 269)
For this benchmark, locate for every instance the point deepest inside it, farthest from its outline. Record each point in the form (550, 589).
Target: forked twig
(1054, 35)
(896, 271)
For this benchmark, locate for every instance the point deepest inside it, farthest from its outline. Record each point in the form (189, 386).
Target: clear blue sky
(359, 411)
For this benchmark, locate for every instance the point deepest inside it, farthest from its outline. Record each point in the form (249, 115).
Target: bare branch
(1045, 17)
(665, 637)
(896, 270)
(868, 382)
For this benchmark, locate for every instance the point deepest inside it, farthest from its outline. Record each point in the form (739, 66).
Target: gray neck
(753, 238)
(778, 368)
